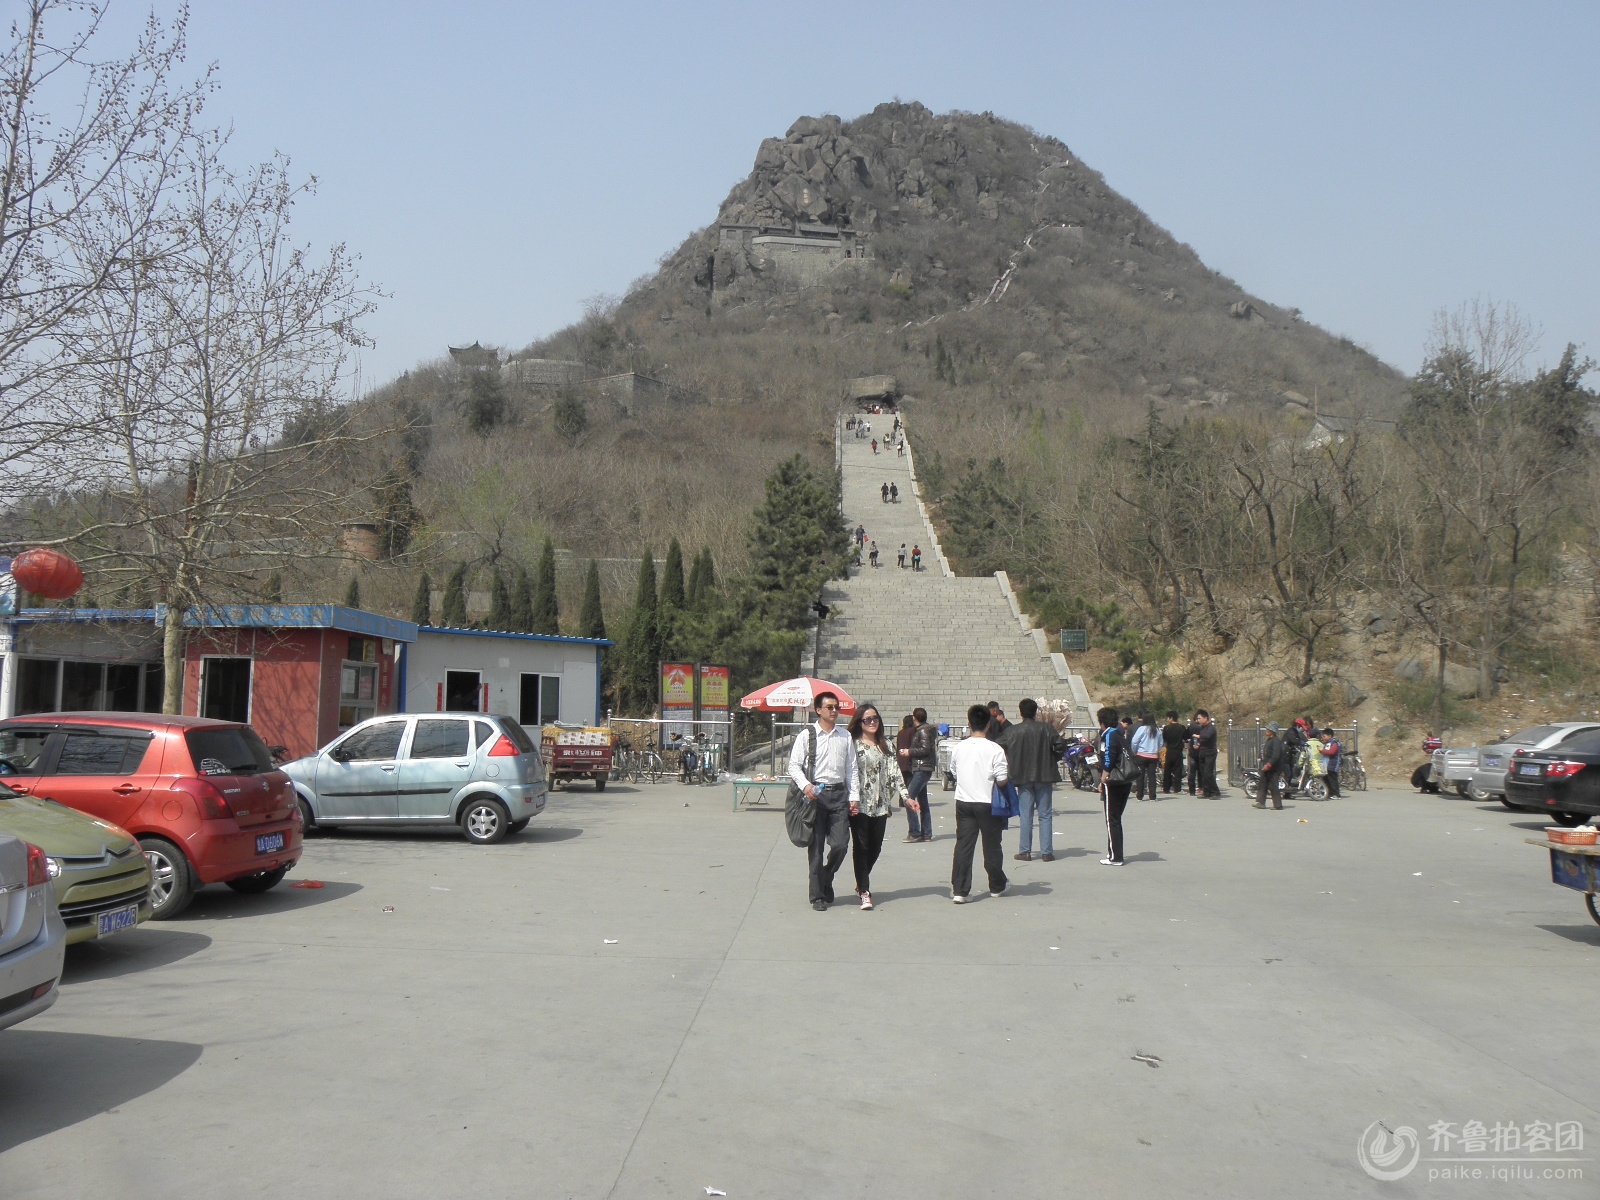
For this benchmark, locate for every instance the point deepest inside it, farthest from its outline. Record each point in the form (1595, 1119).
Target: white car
(33, 939)
(1488, 780)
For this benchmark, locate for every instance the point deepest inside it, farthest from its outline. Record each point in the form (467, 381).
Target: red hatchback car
(202, 796)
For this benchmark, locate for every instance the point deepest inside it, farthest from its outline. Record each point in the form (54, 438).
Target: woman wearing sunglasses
(882, 789)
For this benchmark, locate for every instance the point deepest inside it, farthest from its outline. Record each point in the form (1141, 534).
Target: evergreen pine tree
(672, 593)
(592, 620)
(422, 602)
(546, 613)
(641, 648)
(522, 603)
(352, 594)
(455, 599)
(691, 593)
(499, 602)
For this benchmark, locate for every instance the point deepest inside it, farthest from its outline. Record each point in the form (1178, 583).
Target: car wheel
(599, 783)
(1568, 819)
(307, 821)
(1477, 793)
(171, 884)
(485, 820)
(1463, 791)
(1588, 902)
(261, 881)
(519, 826)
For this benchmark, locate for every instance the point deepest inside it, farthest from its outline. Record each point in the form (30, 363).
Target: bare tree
(77, 133)
(218, 366)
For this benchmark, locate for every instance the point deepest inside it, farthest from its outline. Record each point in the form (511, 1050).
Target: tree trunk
(172, 647)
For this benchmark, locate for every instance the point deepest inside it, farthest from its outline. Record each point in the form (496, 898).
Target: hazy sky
(495, 164)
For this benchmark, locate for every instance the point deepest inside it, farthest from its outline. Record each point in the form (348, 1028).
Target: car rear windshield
(1587, 742)
(232, 750)
(517, 734)
(1532, 737)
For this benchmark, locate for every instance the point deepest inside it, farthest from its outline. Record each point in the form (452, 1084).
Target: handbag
(799, 814)
(1123, 771)
(1004, 803)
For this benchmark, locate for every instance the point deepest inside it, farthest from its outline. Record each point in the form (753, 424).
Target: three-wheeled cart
(577, 752)
(1575, 867)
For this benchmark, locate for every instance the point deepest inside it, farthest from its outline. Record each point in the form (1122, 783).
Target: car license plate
(1491, 760)
(1528, 769)
(268, 842)
(117, 920)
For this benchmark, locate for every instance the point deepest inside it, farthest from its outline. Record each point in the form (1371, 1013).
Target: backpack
(799, 814)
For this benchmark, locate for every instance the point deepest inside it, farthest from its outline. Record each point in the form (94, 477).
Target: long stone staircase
(904, 638)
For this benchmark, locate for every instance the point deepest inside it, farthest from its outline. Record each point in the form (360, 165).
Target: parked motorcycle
(1309, 787)
(1079, 759)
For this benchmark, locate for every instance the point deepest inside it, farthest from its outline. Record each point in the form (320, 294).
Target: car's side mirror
(339, 754)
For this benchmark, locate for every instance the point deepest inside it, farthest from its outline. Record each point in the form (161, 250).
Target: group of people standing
(1159, 753)
(1289, 757)
(867, 545)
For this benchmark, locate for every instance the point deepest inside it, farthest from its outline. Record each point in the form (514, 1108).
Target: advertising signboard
(677, 700)
(713, 690)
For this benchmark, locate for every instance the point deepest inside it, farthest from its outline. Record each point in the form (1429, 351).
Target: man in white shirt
(832, 788)
(978, 764)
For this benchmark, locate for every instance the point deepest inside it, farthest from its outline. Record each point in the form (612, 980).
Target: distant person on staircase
(903, 558)
(874, 445)
(916, 558)
(884, 491)
(1033, 750)
(861, 535)
(894, 493)
(978, 764)
(873, 557)
(879, 789)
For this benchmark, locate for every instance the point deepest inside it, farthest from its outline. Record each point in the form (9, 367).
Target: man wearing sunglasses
(832, 788)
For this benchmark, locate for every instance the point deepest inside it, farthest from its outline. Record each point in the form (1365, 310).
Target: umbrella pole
(772, 736)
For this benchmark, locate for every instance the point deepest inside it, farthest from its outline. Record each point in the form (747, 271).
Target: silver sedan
(478, 771)
(33, 939)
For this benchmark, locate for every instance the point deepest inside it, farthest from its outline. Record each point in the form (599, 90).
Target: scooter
(1078, 761)
(1311, 787)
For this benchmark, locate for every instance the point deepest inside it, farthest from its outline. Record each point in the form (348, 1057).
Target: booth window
(225, 689)
(36, 685)
(461, 691)
(540, 700)
(80, 685)
(358, 691)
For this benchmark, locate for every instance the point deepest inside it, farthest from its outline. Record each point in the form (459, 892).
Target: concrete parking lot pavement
(634, 999)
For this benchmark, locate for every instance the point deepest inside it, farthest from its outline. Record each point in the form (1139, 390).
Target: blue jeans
(919, 824)
(1031, 796)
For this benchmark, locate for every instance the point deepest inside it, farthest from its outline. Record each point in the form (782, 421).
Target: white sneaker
(1000, 893)
(1110, 862)
(959, 899)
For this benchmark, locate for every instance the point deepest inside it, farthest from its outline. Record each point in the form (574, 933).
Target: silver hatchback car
(476, 770)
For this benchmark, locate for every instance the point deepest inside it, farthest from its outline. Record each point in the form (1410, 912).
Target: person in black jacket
(1033, 750)
(1204, 757)
(1173, 737)
(1272, 760)
(920, 760)
(1113, 748)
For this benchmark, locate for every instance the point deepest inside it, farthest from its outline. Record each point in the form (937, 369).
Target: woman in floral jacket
(882, 789)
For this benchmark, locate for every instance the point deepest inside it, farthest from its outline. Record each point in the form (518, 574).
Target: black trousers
(1114, 796)
(1333, 782)
(830, 839)
(866, 843)
(973, 821)
(1172, 773)
(1206, 766)
(1144, 776)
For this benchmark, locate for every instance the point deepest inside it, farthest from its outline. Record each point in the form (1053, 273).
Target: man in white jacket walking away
(978, 764)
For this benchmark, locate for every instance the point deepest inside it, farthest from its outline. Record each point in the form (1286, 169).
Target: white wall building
(534, 677)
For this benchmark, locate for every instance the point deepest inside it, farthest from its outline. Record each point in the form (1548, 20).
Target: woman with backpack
(881, 790)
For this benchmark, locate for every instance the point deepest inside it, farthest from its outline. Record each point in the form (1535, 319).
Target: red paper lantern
(47, 573)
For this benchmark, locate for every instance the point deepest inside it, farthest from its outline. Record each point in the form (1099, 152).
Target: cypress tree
(455, 598)
(692, 593)
(708, 579)
(522, 603)
(546, 613)
(352, 594)
(499, 602)
(422, 602)
(672, 591)
(592, 621)
(641, 649)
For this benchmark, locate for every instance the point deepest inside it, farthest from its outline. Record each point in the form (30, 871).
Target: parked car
(479, 771)
(1454, 769)
(100, 878)
(1562, 782)
(1489, 779)
(201, 796)
(33, 941)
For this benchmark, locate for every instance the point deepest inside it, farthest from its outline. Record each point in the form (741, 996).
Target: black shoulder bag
(799, 814)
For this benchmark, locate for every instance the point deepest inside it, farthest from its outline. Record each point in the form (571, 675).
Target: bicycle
(1352, 774)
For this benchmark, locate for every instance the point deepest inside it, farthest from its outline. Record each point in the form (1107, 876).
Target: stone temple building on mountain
(799, 253)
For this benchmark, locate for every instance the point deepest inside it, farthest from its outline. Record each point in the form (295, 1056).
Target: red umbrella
(796, 693)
